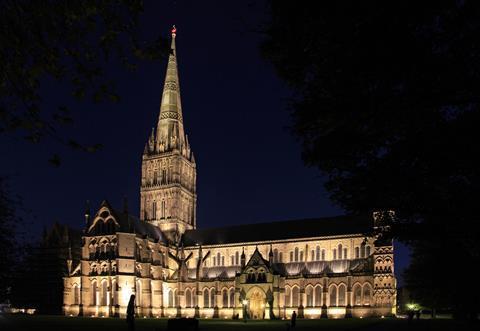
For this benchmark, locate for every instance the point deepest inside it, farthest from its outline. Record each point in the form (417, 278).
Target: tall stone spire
(170, 131)
(168, 189)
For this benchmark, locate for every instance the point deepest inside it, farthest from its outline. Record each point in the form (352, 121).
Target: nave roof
(284, 230)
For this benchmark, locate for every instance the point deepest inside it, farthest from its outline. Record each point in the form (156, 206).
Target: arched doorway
(256, 303)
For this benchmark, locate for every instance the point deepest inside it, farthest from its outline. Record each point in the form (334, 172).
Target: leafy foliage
(387, 107)
(69, 42)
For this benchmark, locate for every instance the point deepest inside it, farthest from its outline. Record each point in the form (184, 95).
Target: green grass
(54, 323)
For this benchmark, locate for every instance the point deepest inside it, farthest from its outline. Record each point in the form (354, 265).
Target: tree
(69, 42)
(8, 243)
(386, 105)
(38, 280)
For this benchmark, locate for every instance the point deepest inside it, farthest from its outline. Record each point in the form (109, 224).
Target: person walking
(294, 319)
(131, 313)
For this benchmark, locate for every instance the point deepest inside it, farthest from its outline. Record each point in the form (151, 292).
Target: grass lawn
(54, 323)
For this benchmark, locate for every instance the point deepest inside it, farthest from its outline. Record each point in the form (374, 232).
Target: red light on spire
(174, 31)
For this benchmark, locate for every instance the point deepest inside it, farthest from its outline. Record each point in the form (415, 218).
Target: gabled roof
(294, 229)
(257, 260)
(124, 222)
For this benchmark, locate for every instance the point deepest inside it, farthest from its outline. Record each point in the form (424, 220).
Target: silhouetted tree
(69, 42)
(38, 276)
(387, 106)
(8, 240)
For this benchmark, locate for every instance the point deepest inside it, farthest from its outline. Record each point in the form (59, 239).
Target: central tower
(168, 190)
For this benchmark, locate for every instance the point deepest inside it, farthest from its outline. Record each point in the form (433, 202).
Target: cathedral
(336, 267)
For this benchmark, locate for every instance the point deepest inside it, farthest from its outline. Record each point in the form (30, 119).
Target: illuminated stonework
(333, 267)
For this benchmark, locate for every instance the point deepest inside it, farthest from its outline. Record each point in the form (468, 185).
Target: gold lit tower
(168, 189)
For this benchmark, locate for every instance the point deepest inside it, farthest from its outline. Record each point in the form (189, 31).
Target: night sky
(235, 112)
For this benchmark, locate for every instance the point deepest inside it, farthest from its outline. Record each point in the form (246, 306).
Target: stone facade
(325, 268)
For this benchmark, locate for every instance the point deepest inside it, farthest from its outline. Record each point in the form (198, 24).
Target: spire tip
(174, 31)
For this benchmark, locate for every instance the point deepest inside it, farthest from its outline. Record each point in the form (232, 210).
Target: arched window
(288, 297)
(164, 207)
(237, 260)
(206, 298)
(295, 296)
(340, 250)
(333, 296)
(296, 254)
(104, 294)
(367, 294)
(357, 252)
(76, 294)
(357, 295)
(154, 210)
(323, 255)
(188, 298)
(219, 259)
(225, 298)
(164, 176)
(232, 297)
(232, 260)
(318, 296)
(155, 180)
(176, 301)
(367, 251)
(345, 253)
(280, 257)
(342, 291)
(170, 298)
(317, 253)
(115, 292)
(291, 256)
(362, 250)
(309, 293)
(94, 293)
(212, 298)
(301, 256)
(223, 260)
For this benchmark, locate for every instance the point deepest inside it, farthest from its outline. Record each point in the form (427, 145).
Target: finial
(87, 211)
(174, 31)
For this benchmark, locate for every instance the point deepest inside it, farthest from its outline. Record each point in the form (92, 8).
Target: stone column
(324, 299)
(348, 310)
(197, 307)
(302, 301)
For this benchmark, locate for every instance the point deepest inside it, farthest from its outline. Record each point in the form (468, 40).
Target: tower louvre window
(163, 209)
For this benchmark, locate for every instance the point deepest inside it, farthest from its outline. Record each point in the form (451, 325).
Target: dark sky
(235, 111)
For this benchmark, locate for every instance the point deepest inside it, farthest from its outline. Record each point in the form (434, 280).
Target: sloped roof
(293, 229)
(129, 224)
